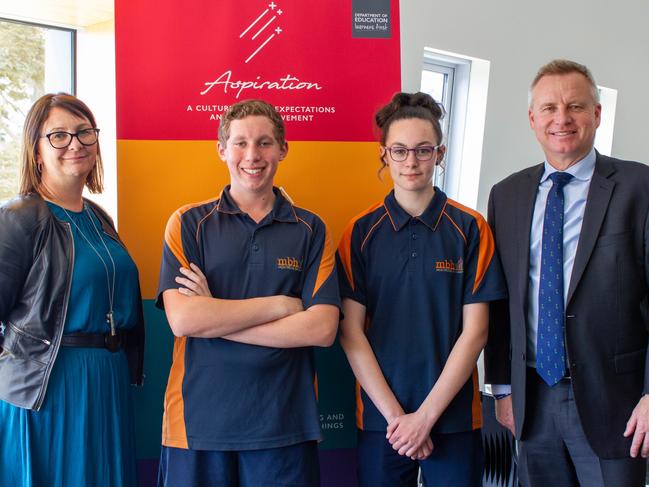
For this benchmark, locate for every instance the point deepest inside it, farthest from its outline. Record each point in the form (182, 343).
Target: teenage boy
(249, 286)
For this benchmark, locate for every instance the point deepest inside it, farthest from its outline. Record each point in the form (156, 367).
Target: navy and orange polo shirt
(413, 275)
(225, 395)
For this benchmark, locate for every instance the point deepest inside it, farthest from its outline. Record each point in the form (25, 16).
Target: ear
(598, 114)
(384, 154)
(283, 151)
(221, 150)
(441, 153)
(530, 117)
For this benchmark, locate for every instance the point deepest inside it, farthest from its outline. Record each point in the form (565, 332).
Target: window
(34, 60)
(437, 79)
(604, 134)
(460, 84)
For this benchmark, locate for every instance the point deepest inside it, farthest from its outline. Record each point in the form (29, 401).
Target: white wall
(96, 87)
(518, 37)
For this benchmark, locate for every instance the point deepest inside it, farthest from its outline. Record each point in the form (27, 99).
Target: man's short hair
(564, 66)
(248, 108)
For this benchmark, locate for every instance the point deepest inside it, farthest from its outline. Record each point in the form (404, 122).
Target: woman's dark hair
(405, 106)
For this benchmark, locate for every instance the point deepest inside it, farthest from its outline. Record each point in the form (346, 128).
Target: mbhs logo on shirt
(289, 263)
(450, 266)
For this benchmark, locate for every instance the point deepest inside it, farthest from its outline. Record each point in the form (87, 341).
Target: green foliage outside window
(22, 79)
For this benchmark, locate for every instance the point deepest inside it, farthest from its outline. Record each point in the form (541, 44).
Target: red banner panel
(180, 64)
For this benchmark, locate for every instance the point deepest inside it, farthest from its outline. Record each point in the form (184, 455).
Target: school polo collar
(226, 203)
(282, 211)
(431, 215)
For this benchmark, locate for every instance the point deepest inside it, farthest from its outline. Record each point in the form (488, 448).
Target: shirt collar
(400, 217)
(582, 170)
(283, 210)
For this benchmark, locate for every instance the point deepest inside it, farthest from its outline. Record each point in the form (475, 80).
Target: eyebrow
(569, 101)
(63, 129)
(261, 137)
(420, 144)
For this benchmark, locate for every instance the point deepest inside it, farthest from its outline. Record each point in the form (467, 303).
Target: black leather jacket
(36, 260)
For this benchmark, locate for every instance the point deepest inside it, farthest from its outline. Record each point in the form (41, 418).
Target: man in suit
(567, 353)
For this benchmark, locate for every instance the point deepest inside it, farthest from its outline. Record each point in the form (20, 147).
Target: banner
(188, 61)
(327, 67)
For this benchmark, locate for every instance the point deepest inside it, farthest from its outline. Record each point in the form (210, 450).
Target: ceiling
(66, 13)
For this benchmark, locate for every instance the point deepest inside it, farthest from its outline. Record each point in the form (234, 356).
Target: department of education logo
(289, 263)
(447, 265)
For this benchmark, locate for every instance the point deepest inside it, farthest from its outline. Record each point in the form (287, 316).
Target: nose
(75, 144)
(411, 160)
(252, 153)
(563, 115)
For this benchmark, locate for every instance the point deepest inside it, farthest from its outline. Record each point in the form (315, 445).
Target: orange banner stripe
(337, 180)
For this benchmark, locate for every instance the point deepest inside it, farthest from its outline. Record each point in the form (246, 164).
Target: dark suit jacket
(606, 310)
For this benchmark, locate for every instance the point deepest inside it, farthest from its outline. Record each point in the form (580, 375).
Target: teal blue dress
(84, 433)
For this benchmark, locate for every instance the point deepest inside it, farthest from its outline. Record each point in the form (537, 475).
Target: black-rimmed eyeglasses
(422, 153)
(60, 140)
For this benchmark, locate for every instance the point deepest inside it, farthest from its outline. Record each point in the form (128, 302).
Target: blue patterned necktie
(550, 345)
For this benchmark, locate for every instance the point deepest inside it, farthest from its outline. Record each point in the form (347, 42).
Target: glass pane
(58, 61)
(433, 83)
(34, 60)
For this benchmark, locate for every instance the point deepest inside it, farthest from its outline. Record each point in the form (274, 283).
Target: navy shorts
(294, 465)
(457, 460)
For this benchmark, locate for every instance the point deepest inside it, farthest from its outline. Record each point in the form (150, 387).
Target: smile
(563, 133)
(252, 171)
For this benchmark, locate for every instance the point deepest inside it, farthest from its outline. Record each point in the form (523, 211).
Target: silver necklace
(109, 283)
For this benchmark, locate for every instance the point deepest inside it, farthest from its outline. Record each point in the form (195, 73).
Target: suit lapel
(599, 195)
(527, 191)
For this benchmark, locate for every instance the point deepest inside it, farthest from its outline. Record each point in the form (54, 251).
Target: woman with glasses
(417, 272)
(71, 329)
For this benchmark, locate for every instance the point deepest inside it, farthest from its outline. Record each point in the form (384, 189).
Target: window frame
(65, 78)
(467, 118)
(73, 45)
(448, 70)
